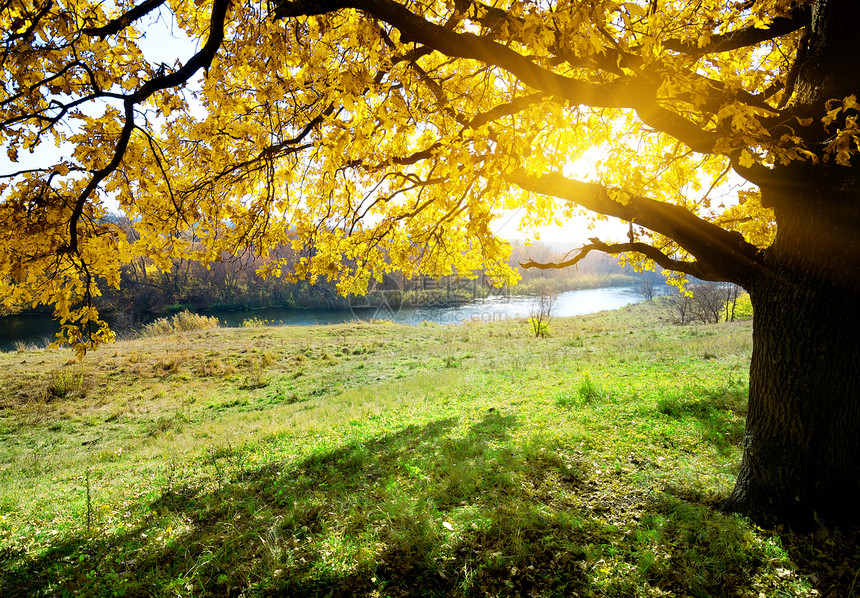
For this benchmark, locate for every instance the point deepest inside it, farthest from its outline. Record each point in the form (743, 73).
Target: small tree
(708, 302)
(646, 288)
(704, 302)
(680, 308)
(541, 310)
(731, 302)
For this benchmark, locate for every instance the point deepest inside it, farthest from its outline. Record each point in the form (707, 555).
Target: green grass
(381, 460)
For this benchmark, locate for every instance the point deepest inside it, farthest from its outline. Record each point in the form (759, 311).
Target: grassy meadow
(385, 460)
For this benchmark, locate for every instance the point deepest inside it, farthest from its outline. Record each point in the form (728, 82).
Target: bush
(589, 391)
(181, 322)
(66, 383)
(540, 328)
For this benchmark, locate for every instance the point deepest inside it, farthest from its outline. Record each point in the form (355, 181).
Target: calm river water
(41, 329)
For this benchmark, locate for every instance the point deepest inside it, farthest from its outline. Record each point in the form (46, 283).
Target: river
(41, 329)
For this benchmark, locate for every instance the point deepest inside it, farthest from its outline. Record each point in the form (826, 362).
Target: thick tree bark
(801, 462)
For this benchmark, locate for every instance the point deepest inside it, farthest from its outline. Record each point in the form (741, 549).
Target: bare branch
(649, 251)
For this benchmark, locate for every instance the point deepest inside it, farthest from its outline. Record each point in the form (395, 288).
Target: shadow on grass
(426, 511)
(831, 557)
(720, 413)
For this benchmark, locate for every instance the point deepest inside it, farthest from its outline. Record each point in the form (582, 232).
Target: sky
(572, 234)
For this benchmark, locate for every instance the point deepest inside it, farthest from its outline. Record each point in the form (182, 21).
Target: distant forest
(232, 283)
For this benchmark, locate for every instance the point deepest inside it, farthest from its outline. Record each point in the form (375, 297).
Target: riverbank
(39, 331)
(380, 459)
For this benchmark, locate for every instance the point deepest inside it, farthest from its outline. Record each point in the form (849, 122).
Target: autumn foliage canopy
(389, 136)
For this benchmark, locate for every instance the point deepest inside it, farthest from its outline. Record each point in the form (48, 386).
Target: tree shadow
(431, 510)
(829, 557)
(720, 414)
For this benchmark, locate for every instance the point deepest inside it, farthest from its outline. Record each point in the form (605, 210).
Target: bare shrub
(708, 303)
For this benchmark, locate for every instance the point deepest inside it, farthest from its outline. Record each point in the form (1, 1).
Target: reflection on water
(41, 329)
(569, 303)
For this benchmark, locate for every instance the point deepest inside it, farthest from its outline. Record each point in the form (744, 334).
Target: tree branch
(124, 20)
(202, 59)
(624, 92)
(649, 251)
(721, 254)
(284, 147)
(416, 157)
(791, 78)
(516, 105)
(801, 17)
(43, 10)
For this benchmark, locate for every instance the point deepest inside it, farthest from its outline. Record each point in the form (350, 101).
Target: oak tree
(388, 135)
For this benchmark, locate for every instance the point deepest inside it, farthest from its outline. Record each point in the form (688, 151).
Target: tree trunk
(801, 462)
(802, 440)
